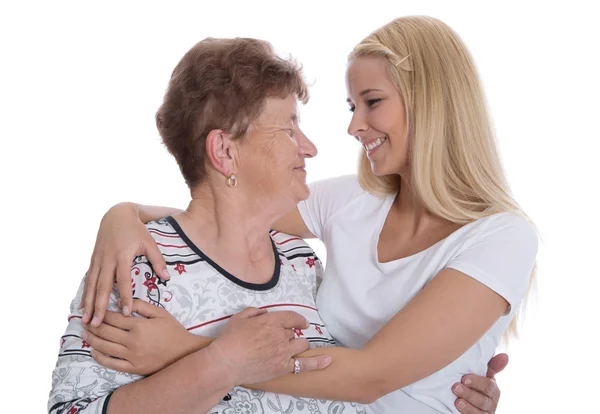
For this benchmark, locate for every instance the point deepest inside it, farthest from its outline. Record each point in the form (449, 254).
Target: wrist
(195, 343)
(223, 370)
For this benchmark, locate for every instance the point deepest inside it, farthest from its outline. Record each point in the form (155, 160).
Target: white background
(79, 86)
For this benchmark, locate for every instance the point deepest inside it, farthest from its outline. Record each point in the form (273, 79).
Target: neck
(230, 221)
(410, 210)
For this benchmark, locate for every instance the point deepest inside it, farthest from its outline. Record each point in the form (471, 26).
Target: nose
(357, 124)
(306, 148)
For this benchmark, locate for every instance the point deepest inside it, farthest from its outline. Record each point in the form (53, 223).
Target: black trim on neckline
(252, 286)
(106, 401)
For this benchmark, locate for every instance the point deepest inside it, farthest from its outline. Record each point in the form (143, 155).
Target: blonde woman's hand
(478, 394)
(122, 236)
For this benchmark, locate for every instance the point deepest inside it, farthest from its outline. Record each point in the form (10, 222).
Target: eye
(351, 109)
(372, 102)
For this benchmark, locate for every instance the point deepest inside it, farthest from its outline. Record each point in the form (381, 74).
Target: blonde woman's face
(378, 115)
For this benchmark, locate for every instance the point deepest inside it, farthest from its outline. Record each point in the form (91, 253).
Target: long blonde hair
(455, 167)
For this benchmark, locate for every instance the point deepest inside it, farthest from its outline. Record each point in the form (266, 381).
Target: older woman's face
(272, 157)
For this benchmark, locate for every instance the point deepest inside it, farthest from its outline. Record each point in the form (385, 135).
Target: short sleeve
(326, 198)
(79, 383)
(501, 256)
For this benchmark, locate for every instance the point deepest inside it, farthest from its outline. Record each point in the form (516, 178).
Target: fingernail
(458, 389)
(86, 317)
(93, 354)
(460, 404)
(95, 322)
(126, 310)
(468, 381)
(165, 274)
(84, 336)
(327, 360)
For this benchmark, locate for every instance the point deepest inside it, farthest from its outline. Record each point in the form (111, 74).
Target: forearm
(195, 383)
(348, 378)
(149, 213)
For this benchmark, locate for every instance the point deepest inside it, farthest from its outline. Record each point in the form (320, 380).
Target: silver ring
(296, 366)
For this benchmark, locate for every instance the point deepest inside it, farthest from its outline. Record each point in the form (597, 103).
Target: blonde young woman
(429, 256)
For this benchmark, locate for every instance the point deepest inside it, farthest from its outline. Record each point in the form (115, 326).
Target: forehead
(279, 111)
(367, 73)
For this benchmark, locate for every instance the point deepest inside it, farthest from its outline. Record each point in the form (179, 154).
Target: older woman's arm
(81, 384)
(194, 383)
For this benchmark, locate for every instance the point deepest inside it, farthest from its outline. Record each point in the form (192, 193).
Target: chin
(379, 170)
(303, 193)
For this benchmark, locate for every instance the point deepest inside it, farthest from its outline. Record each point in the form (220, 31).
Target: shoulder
(162, 228)
(332, 194)
(506, 227)
(339, 185)
(290, 243)
(498, 239)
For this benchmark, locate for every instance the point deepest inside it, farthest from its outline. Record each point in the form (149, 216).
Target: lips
(373, 144)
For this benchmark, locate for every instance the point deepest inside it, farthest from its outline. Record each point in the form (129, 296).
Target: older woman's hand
(143, 345)
(122, 236)
(260, 345)
(257, 346)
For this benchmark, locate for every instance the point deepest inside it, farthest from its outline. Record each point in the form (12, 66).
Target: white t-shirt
(202, 296)
(359, 295)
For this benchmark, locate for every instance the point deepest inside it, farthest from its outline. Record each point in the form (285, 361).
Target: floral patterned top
(201, 296)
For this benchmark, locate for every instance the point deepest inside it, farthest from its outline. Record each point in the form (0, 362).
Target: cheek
(281, 158)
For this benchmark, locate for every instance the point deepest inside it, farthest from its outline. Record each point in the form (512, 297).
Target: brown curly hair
(221, 84)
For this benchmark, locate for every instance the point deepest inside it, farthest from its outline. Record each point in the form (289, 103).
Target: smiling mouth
(375, 144)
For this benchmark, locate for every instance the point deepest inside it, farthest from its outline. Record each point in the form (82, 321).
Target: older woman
(230, 119)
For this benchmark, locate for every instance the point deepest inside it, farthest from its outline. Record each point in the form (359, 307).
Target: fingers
(119, 321)
(156, 258)
(290, 334)
(145, 309)
(298, 345)
(85, 282)
(496, 365)
(289, 319)
(483, 385)
(466, 408)
(104, 346)
(112, 363)
(103, 289)
(472, 401)
(109, 333)
(124, 286)
(250, 313)
(89, 297)
(312, 363)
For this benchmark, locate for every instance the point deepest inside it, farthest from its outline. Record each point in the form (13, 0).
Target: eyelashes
(370, 103)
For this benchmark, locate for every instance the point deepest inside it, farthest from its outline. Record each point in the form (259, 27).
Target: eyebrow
(364, 92)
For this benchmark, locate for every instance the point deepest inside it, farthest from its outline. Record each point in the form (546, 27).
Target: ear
(220, 152)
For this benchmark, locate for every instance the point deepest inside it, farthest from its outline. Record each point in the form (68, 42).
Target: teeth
(372, 145)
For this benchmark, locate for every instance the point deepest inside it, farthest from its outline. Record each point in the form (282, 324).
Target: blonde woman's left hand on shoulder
(141, 345)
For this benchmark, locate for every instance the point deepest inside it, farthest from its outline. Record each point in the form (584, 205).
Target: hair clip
(403, 59)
